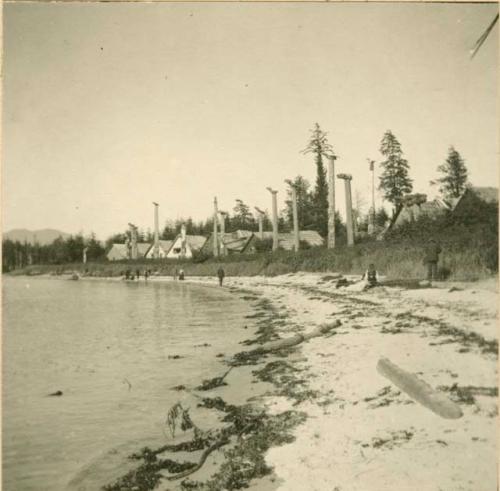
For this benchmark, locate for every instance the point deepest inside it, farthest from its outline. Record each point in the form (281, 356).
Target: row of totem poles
(219, 216)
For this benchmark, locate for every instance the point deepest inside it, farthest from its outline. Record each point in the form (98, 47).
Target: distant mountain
(43, 237)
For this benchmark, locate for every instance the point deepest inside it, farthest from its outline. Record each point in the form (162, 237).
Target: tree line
(395, 184)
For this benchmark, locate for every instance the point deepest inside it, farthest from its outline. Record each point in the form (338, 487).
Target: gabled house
(413, 211)
(165, 246)
(286, 239)
(185, 246)
(119, 252)
(238, 242)
(471, 197)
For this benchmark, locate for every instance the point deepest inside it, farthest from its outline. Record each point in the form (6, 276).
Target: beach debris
(204, 345)
(125, 381)
(214, 382)
(465, 394)
(419, 390)
(178, 416)
(455, 289)
(175, 357)
(281, 344)
(179, 387)
(57, 393)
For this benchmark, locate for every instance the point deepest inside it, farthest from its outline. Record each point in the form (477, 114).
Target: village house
(470, 198)
(238, 242)
(185, 246)
(119, 252)
(286, 239)
(416, 206)
(164, 247)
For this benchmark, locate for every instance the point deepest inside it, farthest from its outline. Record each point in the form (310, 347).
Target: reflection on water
(106, 346)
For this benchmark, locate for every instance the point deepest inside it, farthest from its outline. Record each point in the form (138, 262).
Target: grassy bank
(459, 261)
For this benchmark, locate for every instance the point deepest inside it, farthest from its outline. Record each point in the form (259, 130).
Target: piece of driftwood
(419, 390)
(294, 340)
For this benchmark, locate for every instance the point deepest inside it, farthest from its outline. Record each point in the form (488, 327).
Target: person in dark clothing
(146, 274)
(138, 273)
(181, 274)
(431, 259)
(127, 274)
(220, 274)
(370, 276)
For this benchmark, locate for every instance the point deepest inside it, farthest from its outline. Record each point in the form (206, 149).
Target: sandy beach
(361, 432)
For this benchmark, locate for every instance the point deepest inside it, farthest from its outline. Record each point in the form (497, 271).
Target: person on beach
(146, 274)
(370, 276)
(127, 274)
(431, 259)
(221, 274)
(138, 273)
(181, 274)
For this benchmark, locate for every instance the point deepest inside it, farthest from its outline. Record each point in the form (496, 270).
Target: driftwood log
(419, 390)
(294, 340)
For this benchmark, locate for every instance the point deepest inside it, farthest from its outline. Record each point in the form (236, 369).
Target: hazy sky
(107, 107)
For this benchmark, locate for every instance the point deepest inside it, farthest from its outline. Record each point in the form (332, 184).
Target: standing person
(181, 274)
(146, 274)
(431, 258)
(221, 274)
(138, 273)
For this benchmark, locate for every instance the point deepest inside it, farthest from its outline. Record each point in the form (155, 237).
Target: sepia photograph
(250, 245)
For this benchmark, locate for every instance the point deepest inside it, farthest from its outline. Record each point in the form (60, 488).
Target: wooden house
(119, 252)
(165, 246)
(238, 242)
(185, 246)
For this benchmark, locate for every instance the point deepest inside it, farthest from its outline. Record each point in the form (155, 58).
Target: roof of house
(488, 194)
(195, 242)
(118, 249)
(286, 239)
(164, 244)
(121, 249)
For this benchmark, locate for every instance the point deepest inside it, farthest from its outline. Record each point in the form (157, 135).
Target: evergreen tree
(242, 217)
(454, 179)
(305, 205)
(319, 146)
(394, 181)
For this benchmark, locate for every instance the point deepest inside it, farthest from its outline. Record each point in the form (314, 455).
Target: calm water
(89, 339)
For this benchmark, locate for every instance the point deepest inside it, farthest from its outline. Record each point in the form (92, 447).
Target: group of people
(129, 275)
(370, 276)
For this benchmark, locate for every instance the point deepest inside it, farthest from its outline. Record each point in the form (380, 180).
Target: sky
(108, 107)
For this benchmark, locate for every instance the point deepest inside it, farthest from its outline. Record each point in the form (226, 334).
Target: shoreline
(357, 430)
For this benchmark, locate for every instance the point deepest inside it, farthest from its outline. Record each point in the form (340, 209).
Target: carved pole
(156, 247)
(85, 249)
(223, 249)
(275, 218)
(215, 238)
(296, 236)
(348, 207)
(260, 217)
(331, 201)
(133, 241)
(371, 223)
